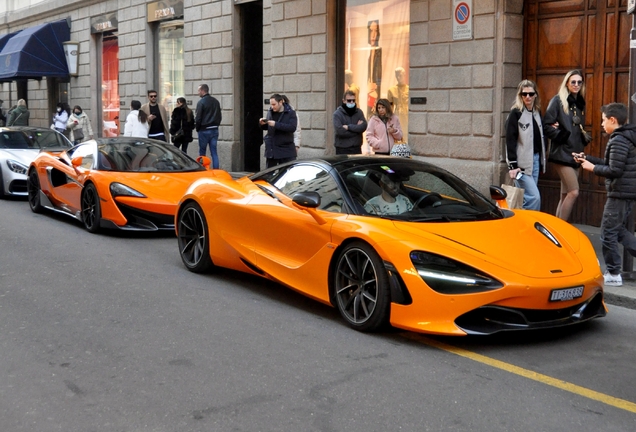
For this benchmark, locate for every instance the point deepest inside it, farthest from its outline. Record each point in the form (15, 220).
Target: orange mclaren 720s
(122, 183)
(394, 241)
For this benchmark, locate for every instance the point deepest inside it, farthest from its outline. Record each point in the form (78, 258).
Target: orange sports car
(123, 183)
(395, 241)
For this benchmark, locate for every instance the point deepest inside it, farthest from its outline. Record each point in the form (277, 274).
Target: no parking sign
(462, 19)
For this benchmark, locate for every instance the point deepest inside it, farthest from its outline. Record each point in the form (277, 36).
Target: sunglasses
(576, 82)
(525, 94)
(350, 100)
(152, 96)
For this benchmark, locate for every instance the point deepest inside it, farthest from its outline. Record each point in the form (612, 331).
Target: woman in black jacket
(563, 123)
(181, 125)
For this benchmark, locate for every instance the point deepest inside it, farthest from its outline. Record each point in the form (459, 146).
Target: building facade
(450, 67)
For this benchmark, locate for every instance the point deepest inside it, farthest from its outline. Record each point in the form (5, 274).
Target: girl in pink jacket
(383, 128)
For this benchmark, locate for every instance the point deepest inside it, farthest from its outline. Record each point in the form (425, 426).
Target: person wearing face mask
(79, 126)
(349, 125)
(563, 124)
(61, 117)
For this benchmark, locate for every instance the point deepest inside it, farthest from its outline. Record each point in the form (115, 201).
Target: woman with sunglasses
(563, 124)
(525, 144)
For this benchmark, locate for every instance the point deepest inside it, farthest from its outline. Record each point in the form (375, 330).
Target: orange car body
(63, 179)
(250, 231)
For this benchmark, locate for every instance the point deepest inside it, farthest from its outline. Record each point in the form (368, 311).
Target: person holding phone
(525, 143)
(618, 166)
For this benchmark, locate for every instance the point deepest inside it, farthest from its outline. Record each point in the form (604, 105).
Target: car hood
(533, 244)
(24, 156)
(161, 186)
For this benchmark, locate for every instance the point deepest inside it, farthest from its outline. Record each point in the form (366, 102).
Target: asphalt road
(111, 333)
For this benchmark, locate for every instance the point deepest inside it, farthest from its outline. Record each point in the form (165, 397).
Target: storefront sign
(165, 10)
(462, 19)
(104, 23)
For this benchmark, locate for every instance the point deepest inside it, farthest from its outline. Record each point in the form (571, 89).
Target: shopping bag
(514, 196)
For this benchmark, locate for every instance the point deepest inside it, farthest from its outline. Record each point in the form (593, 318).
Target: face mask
(77, 113)
(59, 110)
(351, 105)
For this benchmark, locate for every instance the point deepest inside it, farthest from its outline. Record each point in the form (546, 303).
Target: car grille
(493, 319)
(143, 220)
(18, 186)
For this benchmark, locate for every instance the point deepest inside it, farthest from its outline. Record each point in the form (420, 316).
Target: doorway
(252, 88)
(593, 37)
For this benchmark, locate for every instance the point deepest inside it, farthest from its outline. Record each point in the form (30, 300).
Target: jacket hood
(21, 108)
(628, 131)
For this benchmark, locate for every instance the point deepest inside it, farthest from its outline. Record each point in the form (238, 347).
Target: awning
(35, 52)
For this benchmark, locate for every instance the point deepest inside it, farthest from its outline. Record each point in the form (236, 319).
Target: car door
(291, 243)
(67, 181)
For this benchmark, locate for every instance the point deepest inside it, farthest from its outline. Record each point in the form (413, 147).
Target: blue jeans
(613, 232)
(531, 195)
(209, 136)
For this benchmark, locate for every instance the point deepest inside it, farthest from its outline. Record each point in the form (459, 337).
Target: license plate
(566, 294)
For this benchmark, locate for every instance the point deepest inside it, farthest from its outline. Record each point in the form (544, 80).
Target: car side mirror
(205, 161)
(307, 199)
(77, 161)
(499, 195)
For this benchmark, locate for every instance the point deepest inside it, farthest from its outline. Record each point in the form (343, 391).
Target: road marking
(554, 382)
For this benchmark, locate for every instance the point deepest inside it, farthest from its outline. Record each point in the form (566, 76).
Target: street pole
(628, 260)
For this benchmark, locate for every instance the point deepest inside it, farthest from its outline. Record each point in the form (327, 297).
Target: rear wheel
(193, 238)
(361, 288)
(33, 192)
(91, 210)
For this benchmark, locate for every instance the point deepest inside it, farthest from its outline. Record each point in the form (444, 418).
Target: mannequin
(398, 95)
(374, 70)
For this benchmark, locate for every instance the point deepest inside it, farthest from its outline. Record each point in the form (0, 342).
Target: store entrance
(252, 72)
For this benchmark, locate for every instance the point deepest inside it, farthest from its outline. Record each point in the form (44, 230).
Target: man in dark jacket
(349, 124)
(207, 120)
(619, 169)
(280, 124)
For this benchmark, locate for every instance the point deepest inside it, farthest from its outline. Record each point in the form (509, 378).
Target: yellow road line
(560, 384)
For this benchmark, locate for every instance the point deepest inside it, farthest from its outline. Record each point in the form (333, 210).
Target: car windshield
(144, 156)
(413, 191)
(32, 139)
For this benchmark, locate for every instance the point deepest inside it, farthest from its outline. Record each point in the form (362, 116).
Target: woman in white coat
(137, 121)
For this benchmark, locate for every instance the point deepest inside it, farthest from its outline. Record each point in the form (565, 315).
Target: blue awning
(35, 52)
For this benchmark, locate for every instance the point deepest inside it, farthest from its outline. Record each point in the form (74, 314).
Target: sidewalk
(620, 296)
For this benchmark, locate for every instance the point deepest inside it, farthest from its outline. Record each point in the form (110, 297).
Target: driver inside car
(390, 201)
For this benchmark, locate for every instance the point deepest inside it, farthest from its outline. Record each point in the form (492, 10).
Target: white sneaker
(613, 280)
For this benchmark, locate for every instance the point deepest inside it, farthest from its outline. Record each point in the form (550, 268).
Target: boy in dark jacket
(619, 169)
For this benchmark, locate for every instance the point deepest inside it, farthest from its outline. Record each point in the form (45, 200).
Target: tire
(91, 209)
(361, 288)
(193, 239)
(33, 192)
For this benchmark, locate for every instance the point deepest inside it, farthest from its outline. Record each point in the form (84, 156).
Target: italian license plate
(566, 294)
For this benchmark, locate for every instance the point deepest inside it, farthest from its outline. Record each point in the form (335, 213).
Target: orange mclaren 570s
(122, 183)
(395, 241)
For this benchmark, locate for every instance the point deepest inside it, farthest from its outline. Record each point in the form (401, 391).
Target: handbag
(78, 134)
(178, 136)
(514, 197)
(401, 149)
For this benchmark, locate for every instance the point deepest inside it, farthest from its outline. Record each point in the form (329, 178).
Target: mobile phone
(519, 174)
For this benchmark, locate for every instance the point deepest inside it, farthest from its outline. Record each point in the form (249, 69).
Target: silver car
(19, 145)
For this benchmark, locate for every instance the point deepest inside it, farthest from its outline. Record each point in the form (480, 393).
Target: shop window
(171, 67)
(110, 85)
(376, 54)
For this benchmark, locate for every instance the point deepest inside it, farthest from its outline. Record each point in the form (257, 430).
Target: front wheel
(33, 192)
(91, 209)
(361, 288)
(193, 238)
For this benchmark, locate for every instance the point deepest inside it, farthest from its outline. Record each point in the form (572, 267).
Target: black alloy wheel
(193, 239)
(361, 288)
(91, 210)
(33, 192)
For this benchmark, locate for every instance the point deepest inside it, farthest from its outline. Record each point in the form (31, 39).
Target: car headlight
(448, 276)
(118, 189)
(17, 167)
